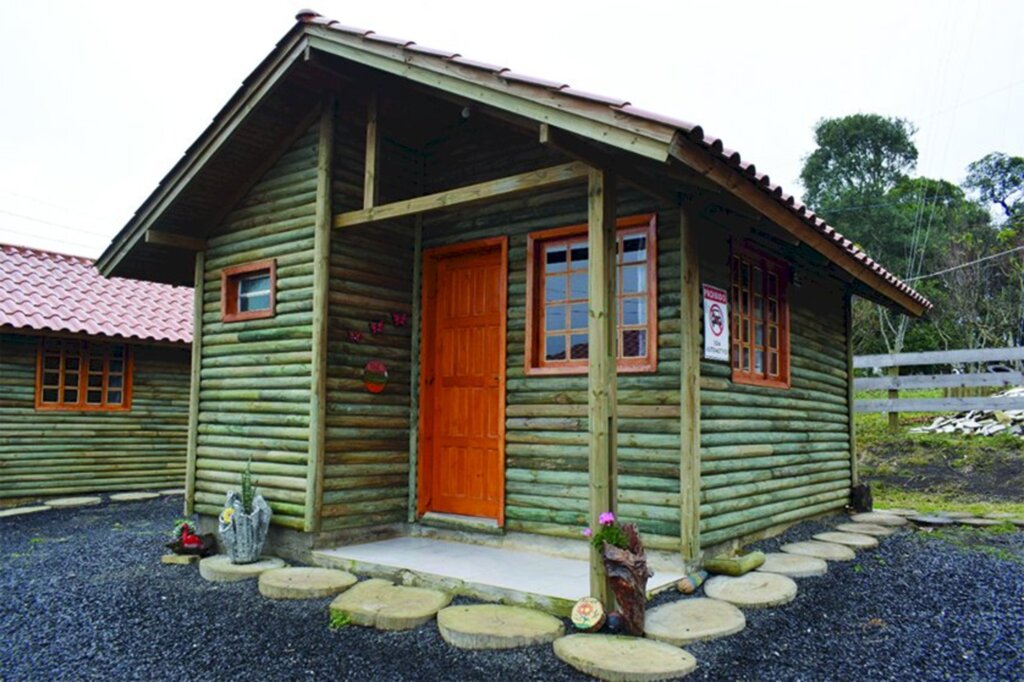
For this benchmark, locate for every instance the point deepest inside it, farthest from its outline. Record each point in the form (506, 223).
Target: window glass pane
(773, 337)
(113, 397)
(71, 395)
(746, 330)
(554, 348)
(71, 362)
(758, 303)
(735, 356)
(758, 334)
(634, 279)
(579, 346)
(773, 311)
(114, 381)
(759, 361)
(94, 397)
(51, 379)
(117, 366)
(578, 285)
(554, 259)
(579, 256)
(554, 289)
(117, 351)
(253, 302)
(50, 395)
(758, 278)
(51, 362)
(255, 284)
(634, 343)
(634, 311)
(745, 274)
(578, 313)
(555, 318)
(95, 364)
(634, 249)
(95, 381)
(773, 364)
(746, 359)
(773, 284)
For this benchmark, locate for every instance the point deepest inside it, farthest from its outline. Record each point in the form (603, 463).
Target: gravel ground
(84, 598)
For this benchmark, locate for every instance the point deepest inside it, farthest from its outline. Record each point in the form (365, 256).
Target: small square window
(248, 291)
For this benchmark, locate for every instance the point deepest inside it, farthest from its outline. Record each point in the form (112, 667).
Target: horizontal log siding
(57, 453)
(772, 455)
(255, 374)
(366, 455)
(546, 416)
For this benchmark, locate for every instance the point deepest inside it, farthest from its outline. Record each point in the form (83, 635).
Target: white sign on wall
(716, 323)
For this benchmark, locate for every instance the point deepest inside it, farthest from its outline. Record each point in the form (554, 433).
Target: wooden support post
(193, 391)
(601, 364)
(689, 390)
(854, 464)
(321, 286)
(414, 373)
(370, 188)
(894, 394)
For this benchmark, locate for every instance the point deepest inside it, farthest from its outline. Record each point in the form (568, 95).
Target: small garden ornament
(244, 522)
(187, 542)
(625, 564)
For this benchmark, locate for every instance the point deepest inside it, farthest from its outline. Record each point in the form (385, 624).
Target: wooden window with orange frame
(83, 376)
(248, 292)
(557, 298)
(759, 307)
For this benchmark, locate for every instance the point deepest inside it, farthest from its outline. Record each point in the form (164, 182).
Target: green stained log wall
(255, 375)
(59, 453)
(366, 459)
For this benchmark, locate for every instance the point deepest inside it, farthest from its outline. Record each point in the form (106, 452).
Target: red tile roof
(618, 106)
(50, 291)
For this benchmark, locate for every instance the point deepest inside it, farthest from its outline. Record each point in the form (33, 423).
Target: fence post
(894, 394)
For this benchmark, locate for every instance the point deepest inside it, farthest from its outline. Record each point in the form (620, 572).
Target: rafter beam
(482, 192)
(175, 241)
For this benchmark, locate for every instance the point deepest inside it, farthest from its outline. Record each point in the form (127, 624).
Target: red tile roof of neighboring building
(49, 291)
(568, 95)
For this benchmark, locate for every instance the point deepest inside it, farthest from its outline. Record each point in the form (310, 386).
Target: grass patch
(890, 497)
(982, 540)
(339, 620)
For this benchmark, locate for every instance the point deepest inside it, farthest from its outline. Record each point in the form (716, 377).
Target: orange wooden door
(462, 398)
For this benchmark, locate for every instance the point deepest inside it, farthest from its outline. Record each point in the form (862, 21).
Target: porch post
(193, 391)
(689, 390)
(601, 365)
(321, 285)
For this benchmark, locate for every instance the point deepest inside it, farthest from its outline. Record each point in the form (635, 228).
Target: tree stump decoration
(628, 573)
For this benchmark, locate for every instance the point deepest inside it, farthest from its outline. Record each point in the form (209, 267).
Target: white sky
(99, 99)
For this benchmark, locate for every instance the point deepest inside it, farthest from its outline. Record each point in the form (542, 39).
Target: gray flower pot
(245, 535)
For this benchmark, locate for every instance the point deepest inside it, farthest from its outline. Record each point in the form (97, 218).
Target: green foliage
(339, 620)
(612, 534)
(248, 490)
(999, 179)
(179, 526)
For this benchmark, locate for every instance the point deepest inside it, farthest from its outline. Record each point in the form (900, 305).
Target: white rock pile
(981, 422)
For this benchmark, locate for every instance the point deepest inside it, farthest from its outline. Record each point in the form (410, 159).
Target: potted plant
(244, 522)
(625, 564)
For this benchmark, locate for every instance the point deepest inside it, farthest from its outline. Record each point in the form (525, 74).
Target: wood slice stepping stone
(978, 523)
(693, 620)
(898, 512)
(19, 511)
(300, 582)
(829, 551)
(866, 529)
(956, 514)
(849, 539)
(879, 518)
(793, 565)
(755, 590)
(132, 497)
(172, 491)
(493, 626)
(67, 502)
(932, 520)
(617, 658)
(999, 515)
(383, 605)
(219, 569)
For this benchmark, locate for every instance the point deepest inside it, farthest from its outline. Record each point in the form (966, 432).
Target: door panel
(463, 388)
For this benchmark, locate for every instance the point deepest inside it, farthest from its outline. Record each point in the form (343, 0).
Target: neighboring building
(94, 378)
(402, 257)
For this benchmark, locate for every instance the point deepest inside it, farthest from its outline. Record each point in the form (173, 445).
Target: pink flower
(587, 532)
(606, 518)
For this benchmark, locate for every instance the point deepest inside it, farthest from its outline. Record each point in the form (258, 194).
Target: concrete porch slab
(511, 576)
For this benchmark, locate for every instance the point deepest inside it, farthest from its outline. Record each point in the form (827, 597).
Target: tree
(998, 178)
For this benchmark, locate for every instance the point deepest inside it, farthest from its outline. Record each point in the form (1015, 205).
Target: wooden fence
(953, 380)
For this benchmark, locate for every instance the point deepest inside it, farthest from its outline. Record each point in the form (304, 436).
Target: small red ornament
(377, 327)
(355, 337)
(399, 319)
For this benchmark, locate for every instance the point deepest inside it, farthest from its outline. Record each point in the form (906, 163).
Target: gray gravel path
(83, 597)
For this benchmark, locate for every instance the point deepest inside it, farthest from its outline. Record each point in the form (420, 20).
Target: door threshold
(478, 524)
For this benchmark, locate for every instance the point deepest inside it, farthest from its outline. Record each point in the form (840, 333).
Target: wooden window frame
(229, 279)
(751, 254)
(535, 364)
(84, 355)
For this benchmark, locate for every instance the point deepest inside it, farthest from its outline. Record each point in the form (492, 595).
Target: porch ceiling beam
(175, 241)
(492, 190)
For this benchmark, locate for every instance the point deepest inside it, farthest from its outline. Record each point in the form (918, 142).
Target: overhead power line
(53, 224)
(964, 265)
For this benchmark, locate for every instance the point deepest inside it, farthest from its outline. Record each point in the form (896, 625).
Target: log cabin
(94, 378)
(431, 290)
